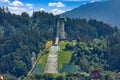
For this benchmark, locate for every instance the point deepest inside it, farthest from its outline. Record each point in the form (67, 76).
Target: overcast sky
(54, 6)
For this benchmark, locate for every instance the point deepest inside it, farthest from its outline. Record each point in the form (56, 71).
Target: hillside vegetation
(43, 61)
(64, 55)
(106, 11)
(98, 44)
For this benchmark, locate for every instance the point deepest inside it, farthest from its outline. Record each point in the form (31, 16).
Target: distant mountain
(108, 12)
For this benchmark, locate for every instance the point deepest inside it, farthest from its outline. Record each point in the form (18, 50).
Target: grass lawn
(63, 44)
(57, 75)
(64, 57)
(43, 60)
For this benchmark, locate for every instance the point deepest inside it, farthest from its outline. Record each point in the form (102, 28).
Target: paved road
(52, 61)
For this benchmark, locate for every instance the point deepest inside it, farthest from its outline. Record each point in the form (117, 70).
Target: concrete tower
(61, 27)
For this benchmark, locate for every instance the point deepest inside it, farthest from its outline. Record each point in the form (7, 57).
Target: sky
(51, 6)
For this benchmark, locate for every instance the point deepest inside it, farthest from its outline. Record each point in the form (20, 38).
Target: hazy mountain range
(108, 12)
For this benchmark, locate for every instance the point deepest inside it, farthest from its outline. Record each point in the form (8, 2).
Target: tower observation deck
(61, 28)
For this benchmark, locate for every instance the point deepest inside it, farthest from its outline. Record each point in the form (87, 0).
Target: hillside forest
(97, 48)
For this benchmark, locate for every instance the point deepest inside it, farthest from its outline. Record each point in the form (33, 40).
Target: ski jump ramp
(52, 61)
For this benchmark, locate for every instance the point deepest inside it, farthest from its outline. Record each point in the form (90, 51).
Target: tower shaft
(62, 31)
(61, 28)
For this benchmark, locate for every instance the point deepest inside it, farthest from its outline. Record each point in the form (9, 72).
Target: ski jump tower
(60, 35)
(61, 28)
(52, 61)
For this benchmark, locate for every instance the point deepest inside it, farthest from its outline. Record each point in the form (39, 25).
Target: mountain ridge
(107, 12)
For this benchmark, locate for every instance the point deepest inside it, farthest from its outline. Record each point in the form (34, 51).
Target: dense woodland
(98, 44)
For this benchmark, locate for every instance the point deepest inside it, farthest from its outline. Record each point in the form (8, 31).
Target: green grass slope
(64, 55)
(43, 60)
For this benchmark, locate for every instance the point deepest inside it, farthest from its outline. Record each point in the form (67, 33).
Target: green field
(64, 56)
(43, 60)
(57, 75)
(63, 44)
